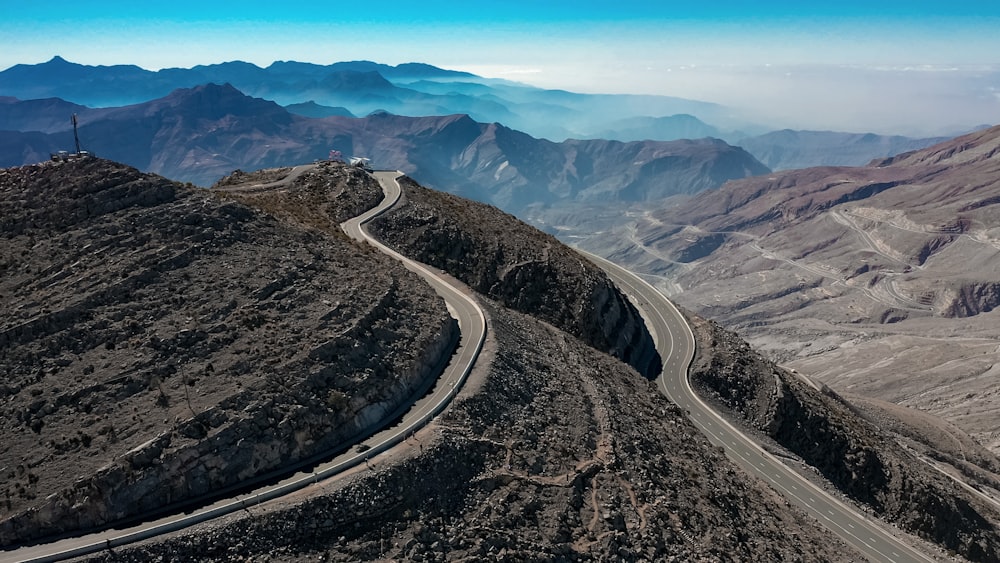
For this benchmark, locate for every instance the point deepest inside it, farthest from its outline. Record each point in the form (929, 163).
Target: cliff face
(161, 342)
(829, 434)
(520, 267)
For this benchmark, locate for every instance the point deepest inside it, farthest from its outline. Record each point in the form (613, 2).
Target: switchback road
(472, 323)
(676, 345)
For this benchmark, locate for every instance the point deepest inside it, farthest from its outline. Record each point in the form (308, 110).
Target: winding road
(675, 342)
(472, 323)
(676, 345)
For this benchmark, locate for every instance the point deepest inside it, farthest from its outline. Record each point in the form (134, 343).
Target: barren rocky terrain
(867, 454)
(135, 384)
(560, 453)
(880, 281)
(159, 342)
(131, 368)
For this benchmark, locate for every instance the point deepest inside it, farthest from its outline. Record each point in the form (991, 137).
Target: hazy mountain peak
(294, 66)
(59, 63)
(225, 91)
(312, 109)
(426, 70)
(230, 68)
(356, 80)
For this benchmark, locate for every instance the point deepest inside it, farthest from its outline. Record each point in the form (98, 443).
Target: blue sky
(691, 48)
(513, 32)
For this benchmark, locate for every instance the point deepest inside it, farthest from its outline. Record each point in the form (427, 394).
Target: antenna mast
(76, 137)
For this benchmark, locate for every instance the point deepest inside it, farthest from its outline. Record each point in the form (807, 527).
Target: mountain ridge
(154, 359)
(203, 133)
(787, 149)
(418, 89)
(402, 92)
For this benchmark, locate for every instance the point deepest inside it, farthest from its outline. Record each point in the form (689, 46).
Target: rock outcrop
(320, 197)
(830, 435)
(970, 298)
(520, 267)
(162, 342)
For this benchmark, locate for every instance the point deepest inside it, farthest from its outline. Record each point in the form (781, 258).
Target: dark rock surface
(520, 267)
(562, 454)
(159, 342)
(194, 340)
(828, 433)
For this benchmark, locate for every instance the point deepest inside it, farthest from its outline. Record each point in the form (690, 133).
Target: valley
(877, 281)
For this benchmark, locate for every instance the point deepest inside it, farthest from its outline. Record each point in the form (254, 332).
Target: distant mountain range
(200, 134)
(359, 88)
(362, 87)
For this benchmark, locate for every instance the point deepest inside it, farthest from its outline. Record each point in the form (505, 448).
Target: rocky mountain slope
(17, 148)
(558, 453)
(520, 267)
(160, 342)
(863, 460)
(878, 280)
(164, 341)
(664, 128)
(202, 133)
(47, 115)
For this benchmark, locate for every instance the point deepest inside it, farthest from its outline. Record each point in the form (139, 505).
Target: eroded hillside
(159, 342)
(879, 280)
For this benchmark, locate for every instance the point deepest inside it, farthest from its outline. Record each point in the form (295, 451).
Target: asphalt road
(473, 328)
(675, 343)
